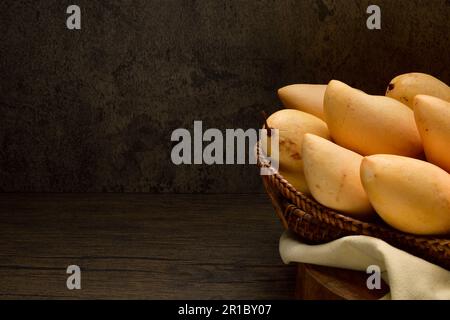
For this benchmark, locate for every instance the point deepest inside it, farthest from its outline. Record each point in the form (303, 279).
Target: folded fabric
(409, 277)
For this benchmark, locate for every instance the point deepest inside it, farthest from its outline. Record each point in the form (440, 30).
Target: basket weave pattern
(316, 224)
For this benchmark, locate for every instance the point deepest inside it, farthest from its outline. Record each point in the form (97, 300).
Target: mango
(332, 175)
(304, 97)
(406, 86)
(411, 195)
(433, 120)
(292, 125)
(369, 124)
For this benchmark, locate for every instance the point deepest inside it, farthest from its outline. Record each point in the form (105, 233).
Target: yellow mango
(332, 175)
(411, 195)
(292, 125)
(304, 97)
(433, 120)
(406, 86)
(370, 124)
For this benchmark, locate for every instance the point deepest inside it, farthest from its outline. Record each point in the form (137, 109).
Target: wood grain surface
(138, 246)
(325, 283)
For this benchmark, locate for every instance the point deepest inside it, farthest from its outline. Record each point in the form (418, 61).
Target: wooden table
(324, 283)
(141, 246)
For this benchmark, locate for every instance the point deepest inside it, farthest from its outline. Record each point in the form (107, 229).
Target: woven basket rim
(295, 196)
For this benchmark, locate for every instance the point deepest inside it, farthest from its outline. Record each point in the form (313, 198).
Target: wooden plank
(325, 283)
(142, 246)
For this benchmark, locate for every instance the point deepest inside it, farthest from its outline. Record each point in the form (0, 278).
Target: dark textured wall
(93, 110)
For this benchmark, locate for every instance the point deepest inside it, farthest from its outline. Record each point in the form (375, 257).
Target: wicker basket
(316, 224)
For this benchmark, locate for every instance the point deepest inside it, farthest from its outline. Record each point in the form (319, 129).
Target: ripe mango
(433, 120)
(411, 195)
(406, 86)
(370, 124)
(332, 175)
(304, 97)
(292, 125)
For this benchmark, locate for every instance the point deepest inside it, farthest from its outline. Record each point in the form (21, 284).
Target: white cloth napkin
(409, 277)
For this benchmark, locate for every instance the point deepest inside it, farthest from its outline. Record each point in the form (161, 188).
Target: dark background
(93, 110)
